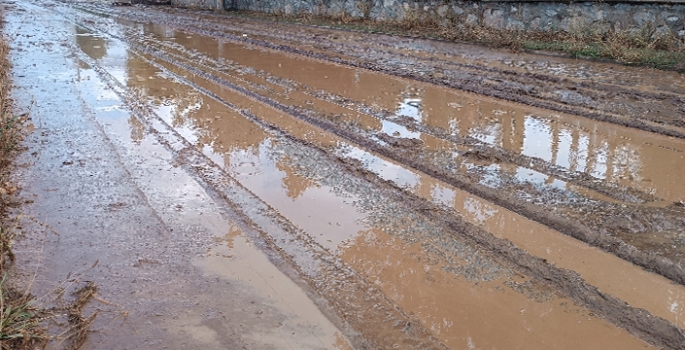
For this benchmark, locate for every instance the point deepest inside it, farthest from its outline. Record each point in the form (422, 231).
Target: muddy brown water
(221, 216)
(594, 156)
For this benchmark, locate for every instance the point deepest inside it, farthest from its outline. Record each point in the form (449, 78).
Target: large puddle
(644, 161)
(463, 297)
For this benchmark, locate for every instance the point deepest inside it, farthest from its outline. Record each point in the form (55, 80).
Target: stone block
(644, 16)
(493, 18)
(471, 20)
(535, 24)
(442, 10)
(514, 24)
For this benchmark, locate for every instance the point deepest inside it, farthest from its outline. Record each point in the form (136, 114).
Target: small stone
(551, 13)
(535, 23)
(681, 33)
(493, 18)
(643, 17)
(3, 191)
(457, 10)
(672, 19)
(442, 10)
(471, 20)
(68, 162)
(662, 32)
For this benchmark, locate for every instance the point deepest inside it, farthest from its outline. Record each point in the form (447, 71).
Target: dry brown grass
(19, 319)
(646, 47)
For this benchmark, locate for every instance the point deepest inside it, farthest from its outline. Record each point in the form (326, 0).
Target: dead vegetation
(644, 47)
(19, 319)
(23, 316)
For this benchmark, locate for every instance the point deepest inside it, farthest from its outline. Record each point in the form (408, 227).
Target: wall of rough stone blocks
(668, 17)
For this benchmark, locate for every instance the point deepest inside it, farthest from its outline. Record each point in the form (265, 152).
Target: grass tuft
(19, 320)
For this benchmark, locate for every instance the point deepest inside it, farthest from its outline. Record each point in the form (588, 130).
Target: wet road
(247, 184)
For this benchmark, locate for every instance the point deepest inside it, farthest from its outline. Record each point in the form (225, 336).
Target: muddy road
(235, 183)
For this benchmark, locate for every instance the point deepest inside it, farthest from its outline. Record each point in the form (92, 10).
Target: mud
(310, 188)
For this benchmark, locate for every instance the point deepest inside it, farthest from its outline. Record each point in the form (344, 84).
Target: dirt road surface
(234, 183)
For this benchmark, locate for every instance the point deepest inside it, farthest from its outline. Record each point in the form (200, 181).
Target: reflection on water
(617, 154)
(462, 296)
(641, 160)
(92, 44)
(410, 107)
(388, 171)
(300, 324)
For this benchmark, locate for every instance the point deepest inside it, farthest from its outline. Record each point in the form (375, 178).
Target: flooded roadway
(299, 187)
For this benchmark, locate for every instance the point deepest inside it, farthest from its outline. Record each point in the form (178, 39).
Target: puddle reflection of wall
(576, 144)
(606, 151)
(206, 122)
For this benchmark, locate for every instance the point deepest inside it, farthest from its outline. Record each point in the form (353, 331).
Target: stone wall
(665, 17)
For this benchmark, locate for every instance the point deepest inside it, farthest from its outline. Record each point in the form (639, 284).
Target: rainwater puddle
(608, 272)
(484, 315)
(237, 260)
(293, 318)
(648, 162)
(619, 155)
(462, 297)
(245, 151)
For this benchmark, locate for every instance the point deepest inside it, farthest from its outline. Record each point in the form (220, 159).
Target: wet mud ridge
(421, 194)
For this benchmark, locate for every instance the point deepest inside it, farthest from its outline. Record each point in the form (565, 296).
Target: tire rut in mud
(653, 329)
(595, 235)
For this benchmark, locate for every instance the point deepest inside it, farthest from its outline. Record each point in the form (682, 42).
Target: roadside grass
(645, 47)
(19, 318)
